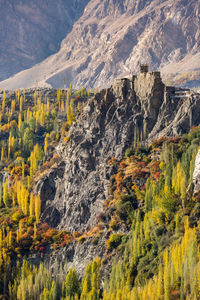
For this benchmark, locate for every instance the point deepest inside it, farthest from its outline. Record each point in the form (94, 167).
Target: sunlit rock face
(30, 31)
(73, 193)
(112, 38)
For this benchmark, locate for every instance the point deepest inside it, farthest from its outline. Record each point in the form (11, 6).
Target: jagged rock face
(105, 128)
(78, 255)
(176, 117)
(93, 139)
(50, 187)
(113, 37)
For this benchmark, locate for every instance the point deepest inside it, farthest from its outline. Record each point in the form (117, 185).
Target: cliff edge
(73, 194)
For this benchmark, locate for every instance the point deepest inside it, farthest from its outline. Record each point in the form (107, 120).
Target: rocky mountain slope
(138, 212)
(73, 193)
(30, 32)
(113, 37)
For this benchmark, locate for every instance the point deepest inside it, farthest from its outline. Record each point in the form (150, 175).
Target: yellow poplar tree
(21, 104)
(37, 208)
(31, 206)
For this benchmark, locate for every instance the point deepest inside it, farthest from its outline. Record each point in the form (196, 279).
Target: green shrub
(114, 241)
(129, 152)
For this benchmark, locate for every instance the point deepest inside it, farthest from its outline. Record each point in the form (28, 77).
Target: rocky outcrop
(73, 194)
(79, 254)
(104, 129)
(177, 116)
(50, 187)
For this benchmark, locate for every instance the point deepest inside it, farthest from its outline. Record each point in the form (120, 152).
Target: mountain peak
(111, 38)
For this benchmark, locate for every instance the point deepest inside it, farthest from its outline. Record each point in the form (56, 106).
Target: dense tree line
(28, 127)
(150, 217)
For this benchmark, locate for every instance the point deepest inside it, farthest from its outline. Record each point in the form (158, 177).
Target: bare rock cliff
(73, 193)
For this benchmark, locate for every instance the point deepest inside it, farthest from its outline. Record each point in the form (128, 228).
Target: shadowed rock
(73, 194)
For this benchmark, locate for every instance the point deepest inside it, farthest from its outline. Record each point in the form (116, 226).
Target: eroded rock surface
(73, 196)
(73, 193)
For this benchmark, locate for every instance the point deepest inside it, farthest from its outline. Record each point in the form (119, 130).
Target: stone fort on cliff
(146, 84)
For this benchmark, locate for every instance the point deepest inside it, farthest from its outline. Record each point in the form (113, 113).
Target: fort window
(144, 68)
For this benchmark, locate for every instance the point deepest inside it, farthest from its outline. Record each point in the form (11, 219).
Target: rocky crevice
(73, 194)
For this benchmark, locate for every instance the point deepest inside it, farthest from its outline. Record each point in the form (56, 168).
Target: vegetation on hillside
(31, 125)
(150, 218)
